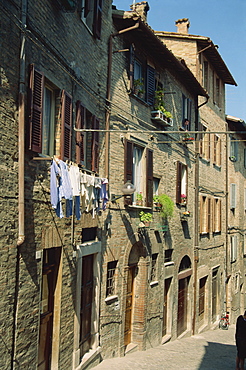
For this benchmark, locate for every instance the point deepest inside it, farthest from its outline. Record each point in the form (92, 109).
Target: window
(216, 215)
(142, 77)
(181, 185)
(244, 158)
(217, 90)
(205, 144)
(205, 214)
(91, 15)
(153, 274)
(110, 288)
(186, 113)
(205, 76)
(139, 171)
(156, 183)
(168, 255)
(233, 191)
(42, 117)
(233, 248)
(233, 149)
(244, 199)
(217, 150)
(87, 143)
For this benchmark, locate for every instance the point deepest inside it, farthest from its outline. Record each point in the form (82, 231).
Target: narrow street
(211, 350)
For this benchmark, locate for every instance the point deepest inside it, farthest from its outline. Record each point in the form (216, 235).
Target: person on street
(241, 341)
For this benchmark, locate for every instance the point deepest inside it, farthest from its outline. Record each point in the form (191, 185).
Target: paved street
(212, 350)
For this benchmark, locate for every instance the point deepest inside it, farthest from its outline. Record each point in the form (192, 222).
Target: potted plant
(183, 199)
(167, 206)
(145, 218)
(138, 86)
(159, 112)
(156, 202)
(139, 199)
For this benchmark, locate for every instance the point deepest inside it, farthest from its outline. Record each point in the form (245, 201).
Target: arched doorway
(135, 295)
(184, 274)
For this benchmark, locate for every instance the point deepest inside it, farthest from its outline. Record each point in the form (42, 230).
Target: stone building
(147, 295)
(236, 216)
(95, 92)
(53, 77)
(213, 262)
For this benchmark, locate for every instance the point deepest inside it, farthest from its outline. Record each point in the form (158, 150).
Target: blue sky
(224, 21)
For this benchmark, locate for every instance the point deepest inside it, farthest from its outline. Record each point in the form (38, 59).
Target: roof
(236, 124)
(145, 36)
(210, 51)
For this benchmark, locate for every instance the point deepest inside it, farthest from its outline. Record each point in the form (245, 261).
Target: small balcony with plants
(159, 113)
(164, 205)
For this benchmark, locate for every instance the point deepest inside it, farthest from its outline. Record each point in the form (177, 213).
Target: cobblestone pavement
(211, 350)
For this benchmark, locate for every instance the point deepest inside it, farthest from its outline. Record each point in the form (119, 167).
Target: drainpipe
(226, 223)
(196, 213)
(21, 148)
(108, 94)
(21, 121)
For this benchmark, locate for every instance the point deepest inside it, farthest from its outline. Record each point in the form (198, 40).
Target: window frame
(234, 244)
(91, 16)
(205, 214)
(181, 182)
(146, 185)
(186, 112)
(111, 278)
(37, 83)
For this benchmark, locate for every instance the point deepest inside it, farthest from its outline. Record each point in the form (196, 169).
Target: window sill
(153, 283)
(171, 263)
(141, 100)
(111, 299)
(138, 207)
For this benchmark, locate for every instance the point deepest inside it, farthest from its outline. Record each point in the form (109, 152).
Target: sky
(223, 21)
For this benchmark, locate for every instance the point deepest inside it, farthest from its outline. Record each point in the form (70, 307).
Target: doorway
(167, 284)
(51, 262)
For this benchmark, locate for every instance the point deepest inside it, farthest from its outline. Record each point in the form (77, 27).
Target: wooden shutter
(178, 182)
(208, 146)
(131, 67)
(80, 124)
(66, 125)
(97, 24)
(36, 91)
(95, 145)
(219, 214)
(150, 85)
(209, 214)
(201, 218)
(128, 160)
(149, 180)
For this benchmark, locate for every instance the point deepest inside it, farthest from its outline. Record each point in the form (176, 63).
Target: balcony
(158, 116)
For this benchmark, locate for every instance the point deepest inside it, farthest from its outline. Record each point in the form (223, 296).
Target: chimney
(183, 25)
(141, 9)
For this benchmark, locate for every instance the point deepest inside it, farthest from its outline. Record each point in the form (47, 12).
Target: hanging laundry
(104, 193)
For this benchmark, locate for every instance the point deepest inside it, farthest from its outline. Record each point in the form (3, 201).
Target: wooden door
(86, 304)
(167, 284)
(214, 294)
(129, 305)
(51, 259)
(202, 283)
(182, 306)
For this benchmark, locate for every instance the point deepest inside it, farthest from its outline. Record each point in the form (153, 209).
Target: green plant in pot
(167, 206)
(145, 217)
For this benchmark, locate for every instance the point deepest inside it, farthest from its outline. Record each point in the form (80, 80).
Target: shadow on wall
(218, 356)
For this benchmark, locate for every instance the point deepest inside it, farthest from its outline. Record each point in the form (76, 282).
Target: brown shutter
(215, 147)
(219, 215)
(131, 67)
(209, 146)
(66, 125)
(150, 85)
(95, 145)
(201, 218)
(86, 7)
(97, 25)
(36, 91)
(80, 124)
(219, 151)
(208, 215)
(149, 180)
(128, 160)
(178, 182)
